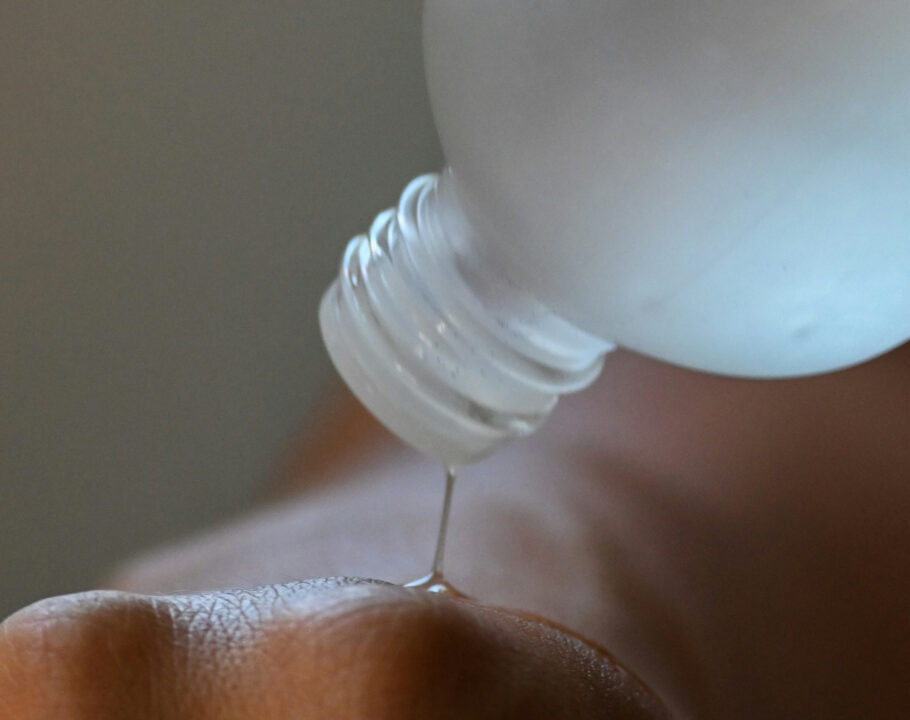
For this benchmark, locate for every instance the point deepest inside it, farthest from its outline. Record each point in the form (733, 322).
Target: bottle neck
(445, 352)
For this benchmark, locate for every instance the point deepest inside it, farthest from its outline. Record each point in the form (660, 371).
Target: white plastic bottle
(721, 184)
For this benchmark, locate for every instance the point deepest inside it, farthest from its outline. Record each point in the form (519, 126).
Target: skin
(331, 648)
(743, 546)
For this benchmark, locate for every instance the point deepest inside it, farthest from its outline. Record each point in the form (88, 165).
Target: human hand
(743, 546)
(331, 648)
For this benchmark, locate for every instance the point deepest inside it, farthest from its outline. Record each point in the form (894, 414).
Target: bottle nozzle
(448, 356)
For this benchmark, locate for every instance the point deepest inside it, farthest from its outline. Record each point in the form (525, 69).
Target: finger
(337, 649)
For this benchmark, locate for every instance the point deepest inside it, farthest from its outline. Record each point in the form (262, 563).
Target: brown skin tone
(743, 546)
(319, 649)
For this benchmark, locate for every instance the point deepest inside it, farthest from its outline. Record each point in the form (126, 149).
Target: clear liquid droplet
(435, 582)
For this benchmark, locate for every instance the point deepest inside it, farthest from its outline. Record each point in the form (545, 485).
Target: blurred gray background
(177, 181)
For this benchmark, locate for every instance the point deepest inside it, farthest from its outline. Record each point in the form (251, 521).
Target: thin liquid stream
(435, 582)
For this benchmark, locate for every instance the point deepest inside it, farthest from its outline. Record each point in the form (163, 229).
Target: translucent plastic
(446, 353)
(721, 184)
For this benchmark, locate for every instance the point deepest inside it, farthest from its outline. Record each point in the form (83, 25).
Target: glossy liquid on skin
(435, 582)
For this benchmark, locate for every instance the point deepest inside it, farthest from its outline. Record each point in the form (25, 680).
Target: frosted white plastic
(721, 184)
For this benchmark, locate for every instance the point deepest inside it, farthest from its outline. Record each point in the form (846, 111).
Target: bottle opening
(446, 354)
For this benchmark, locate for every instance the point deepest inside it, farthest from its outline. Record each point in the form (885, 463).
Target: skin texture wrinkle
(329, 648)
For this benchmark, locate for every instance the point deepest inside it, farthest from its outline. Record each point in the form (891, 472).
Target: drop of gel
(435, 582)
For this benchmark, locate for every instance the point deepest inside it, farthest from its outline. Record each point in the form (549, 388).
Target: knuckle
(64, 657)
(397, 656)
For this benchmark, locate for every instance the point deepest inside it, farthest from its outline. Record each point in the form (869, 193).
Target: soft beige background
(177, 180)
